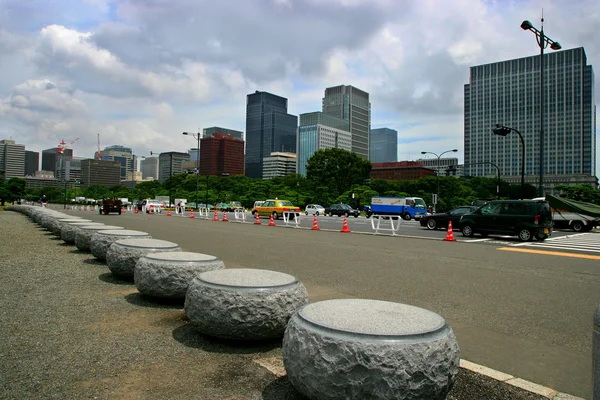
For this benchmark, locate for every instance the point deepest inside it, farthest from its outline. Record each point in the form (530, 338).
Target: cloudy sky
(140, 72)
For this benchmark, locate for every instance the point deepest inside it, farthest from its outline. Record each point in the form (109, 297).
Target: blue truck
(405, 207)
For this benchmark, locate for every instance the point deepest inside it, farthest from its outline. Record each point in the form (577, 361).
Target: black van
(527, 219)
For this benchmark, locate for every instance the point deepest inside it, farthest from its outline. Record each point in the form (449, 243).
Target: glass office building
(383, 145)
(320, 131)
(507, 93)
(269, 128)
(208, 132)
(351, 104)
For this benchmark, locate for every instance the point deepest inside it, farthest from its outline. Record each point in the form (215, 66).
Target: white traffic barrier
(239, 215)
(291, 218)
(393, 227)
(203, 213)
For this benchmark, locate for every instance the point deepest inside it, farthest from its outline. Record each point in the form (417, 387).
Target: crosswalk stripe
(578, 242)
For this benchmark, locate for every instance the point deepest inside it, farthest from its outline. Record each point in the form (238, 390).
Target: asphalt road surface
(515, 307)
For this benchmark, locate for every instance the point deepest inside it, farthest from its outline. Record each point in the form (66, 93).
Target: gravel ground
(71, 331)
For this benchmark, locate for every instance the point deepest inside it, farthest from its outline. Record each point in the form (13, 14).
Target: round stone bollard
(168, 275)
(69, 230)
(596, 354)
(359, 349)
(56, 225)
(244, 303)
(102, 240)
(123, 254)
(84, 235)
(47, 218)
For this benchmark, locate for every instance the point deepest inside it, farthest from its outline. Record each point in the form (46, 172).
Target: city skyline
(100, 72)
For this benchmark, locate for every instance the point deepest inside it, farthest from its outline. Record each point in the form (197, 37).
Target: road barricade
(291, 218)
(203, 212)
(239, 215)
(386, 223)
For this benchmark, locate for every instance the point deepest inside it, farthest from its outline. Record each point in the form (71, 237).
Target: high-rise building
(383, 145)
(208, 132)
(351, 104)
(221, 154)
(51, 158)
(171, 163)
(100, 172)
(319, 131)
(123, 155)
(149, 167)
(69, 169)
(32, 162)
(12, 158)
(269, 128)
(279, 164)
(507, 93)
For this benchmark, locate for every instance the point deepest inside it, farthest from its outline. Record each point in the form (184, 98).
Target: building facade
(221, 154)
(171, 163)
(208, 132)
(149, 167)
(269, 128)
(279, 164)
(51, 158)
(69, 169)
(32, 162)
(508, 93)
(318, 131)
(100, 172)
(400, 171)
(351, 104)
(443, 166)
(12, 159)
(123, 155)
(383, 145)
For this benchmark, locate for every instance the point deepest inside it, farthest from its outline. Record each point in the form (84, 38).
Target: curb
(517, 382)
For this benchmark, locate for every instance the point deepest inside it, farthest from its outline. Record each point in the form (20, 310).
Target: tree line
(333, 176)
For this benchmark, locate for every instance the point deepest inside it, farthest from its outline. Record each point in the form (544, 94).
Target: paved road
(522, 310)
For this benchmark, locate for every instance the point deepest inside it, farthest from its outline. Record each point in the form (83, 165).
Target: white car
(314, 209)
(152, 206)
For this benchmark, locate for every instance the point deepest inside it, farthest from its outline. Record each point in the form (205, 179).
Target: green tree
(12, 190)
(337, 169)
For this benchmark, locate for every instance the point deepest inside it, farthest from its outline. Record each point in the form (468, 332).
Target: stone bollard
(596, 355)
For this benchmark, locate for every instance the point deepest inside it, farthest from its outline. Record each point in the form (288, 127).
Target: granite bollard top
(168, 274)
(248, 278)
(372, 317)
(84, 235)
(146, 243)
(101, 240)
(69, 229)
(123, 254)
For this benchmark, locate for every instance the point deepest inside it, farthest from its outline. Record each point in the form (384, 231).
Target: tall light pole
(197, 137)
(437, 172)
(497, 174)
(543, 41)
(502, 130)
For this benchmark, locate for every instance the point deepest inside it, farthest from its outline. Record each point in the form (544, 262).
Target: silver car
(314, 209)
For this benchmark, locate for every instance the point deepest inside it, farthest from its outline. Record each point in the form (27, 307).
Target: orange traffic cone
(449, 235)
(192, 214)
(315, 224)
(216, 217)
(272, 221)
(136, 211)
(256, 219)
(169, 212)
(345, 228)
(225, 217)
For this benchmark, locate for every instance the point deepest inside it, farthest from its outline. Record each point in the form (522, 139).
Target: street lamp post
(437, 172)
(502, 130)
(197, 137)
(497, 174)
(543, 41)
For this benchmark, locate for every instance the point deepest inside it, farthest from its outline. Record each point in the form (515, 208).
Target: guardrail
(294, 220)
(239, 215)
(393, 227)
(203, 212)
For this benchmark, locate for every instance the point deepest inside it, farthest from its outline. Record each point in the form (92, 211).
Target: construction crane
(63, 145)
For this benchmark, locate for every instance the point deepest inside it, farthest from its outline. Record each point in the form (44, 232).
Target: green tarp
(579, 207)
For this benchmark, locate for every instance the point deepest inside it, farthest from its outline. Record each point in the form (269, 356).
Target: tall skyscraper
(100, 172)
(269, 128)
(12, 159)
(320, 131)
(507, 93)
(208, 132)
(383, 145)
(51, 158)
(171, 163)
(123, 155)
(279, 164)
(149, 167)
(32, 162)
(221, 154)
(351, 104)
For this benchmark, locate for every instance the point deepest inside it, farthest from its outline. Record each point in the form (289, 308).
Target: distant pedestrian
(179, 207)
